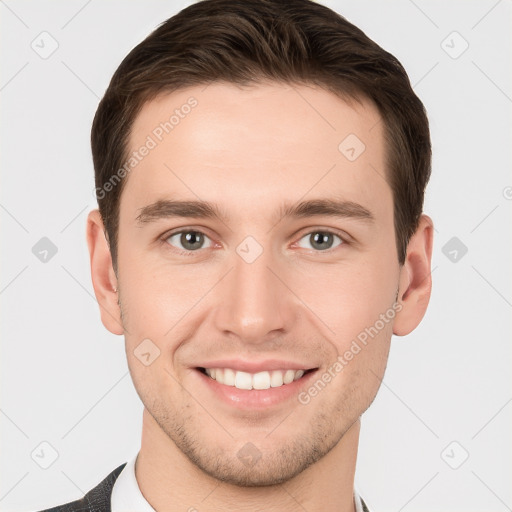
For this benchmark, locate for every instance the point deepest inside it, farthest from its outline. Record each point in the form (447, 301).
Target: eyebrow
(165, 208)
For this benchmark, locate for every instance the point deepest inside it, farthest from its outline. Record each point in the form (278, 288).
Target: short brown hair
(249, 41)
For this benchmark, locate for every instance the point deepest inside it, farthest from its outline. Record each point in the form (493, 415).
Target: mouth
(261, 380)
(253, 384)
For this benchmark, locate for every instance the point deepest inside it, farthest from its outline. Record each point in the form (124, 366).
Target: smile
(248, 381)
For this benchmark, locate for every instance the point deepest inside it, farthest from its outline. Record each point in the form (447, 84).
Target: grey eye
(321, 240)
(189, 240)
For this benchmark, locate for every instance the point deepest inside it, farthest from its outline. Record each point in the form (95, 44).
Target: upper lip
(256, 366)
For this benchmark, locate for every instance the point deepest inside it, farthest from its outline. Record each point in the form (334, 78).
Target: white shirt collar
(126, 494)
(127, 497)
(357, 501)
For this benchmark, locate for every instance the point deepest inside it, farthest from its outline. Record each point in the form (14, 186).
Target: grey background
(64, 378)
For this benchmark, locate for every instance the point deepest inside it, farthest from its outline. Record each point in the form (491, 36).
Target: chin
(270, 469)
(248, 466)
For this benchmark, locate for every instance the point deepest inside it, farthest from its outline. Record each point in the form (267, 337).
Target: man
(260, 172)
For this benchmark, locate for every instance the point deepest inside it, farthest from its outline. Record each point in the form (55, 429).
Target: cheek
(153, 295)
(350, 298)
(356, 302)
(160, 312)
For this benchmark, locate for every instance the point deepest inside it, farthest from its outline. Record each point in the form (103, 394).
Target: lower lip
(255, 398)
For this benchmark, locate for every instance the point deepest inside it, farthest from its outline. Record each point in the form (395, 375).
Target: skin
(249, 150)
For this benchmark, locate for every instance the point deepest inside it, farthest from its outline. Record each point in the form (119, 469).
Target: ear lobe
(415, 279)
(104, 280)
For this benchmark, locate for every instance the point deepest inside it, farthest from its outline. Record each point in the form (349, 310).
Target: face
(267, 314)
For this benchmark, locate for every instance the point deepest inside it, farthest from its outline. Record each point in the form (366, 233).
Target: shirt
(127, 497)
(126, 494)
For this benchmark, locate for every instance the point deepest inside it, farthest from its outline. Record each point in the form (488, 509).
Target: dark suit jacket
(98, 499)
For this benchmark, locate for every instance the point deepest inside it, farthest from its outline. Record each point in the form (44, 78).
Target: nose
(254, 305)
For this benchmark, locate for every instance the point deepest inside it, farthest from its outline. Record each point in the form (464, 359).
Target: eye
(321, 240)
(190, 241)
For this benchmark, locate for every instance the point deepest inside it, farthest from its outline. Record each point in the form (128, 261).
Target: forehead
(254, 146)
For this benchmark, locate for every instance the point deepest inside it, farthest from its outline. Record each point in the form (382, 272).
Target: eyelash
(166, 236)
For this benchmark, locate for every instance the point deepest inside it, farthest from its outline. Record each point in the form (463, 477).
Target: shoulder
(96, 500)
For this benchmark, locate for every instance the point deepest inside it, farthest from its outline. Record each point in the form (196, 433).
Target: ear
(104, 279)
(415, 279)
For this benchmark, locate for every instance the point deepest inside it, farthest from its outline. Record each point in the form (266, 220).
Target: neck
(169, 481)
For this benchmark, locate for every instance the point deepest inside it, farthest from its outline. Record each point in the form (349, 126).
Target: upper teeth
(260, 380)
